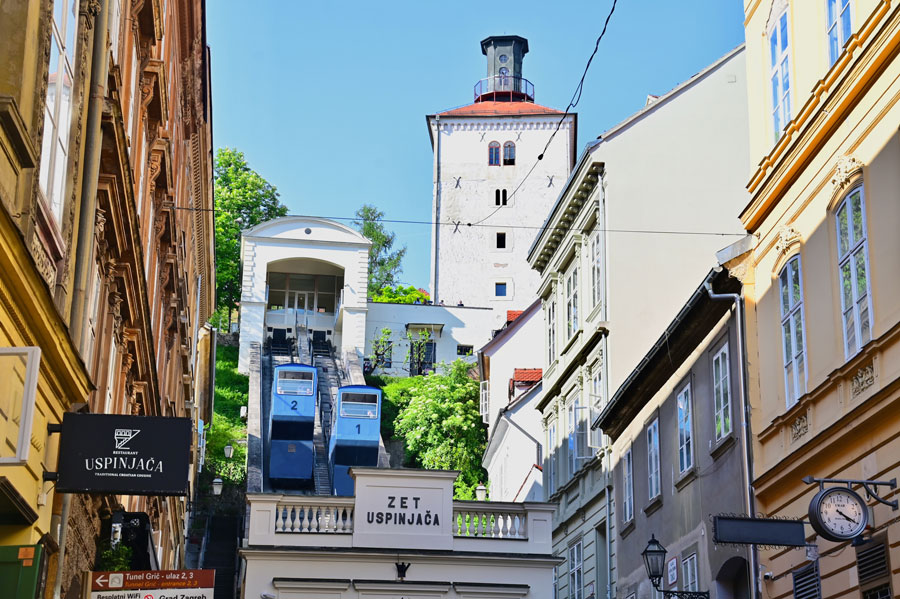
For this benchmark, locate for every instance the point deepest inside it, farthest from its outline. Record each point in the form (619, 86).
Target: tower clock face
(838, 514)
(503, 58)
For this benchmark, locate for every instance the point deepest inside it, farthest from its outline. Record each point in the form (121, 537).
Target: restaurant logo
(124, 435)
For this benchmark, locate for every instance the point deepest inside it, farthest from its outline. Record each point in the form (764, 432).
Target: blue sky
(328, 100)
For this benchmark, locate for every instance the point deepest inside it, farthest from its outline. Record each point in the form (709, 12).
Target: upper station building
(488, 201)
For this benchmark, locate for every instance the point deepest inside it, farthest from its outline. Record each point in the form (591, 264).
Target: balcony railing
(504, 88)
(304, 520)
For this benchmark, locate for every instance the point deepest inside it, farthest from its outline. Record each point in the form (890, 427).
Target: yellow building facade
(821, 278)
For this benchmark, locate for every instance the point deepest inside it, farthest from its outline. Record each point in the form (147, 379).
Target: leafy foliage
(396, 395)
(384, 261)
(242, 199)
(442, 427)
(400, 295)
(227, 428)
(113, 558)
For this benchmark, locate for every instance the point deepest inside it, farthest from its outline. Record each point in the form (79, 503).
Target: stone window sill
(722, 447)
(686, 478)
(654, 505)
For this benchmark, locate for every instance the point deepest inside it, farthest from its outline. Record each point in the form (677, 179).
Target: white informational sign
(672, 571)
(398, 510)
(153, 584)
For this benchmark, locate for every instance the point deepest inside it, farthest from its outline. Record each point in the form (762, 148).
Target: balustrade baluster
(305, 527)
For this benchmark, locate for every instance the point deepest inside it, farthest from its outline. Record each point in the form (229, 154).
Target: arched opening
(303, 298)
(733, 579)
(494, 153)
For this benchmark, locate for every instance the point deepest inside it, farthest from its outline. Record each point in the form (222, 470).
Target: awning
(433, 328)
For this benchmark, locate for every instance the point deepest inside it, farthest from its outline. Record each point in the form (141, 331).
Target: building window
(509, 153)
(422, 358)
(576, 585)
(551, 331)
(500, 197)
(500, 289)
(572, 302)
(685, 431)
(653, 482)
(792, 331)
(551, 459)
(689, 573)
(596, 272)
(464, 350)
(572, 439)
(596, 404)
(494, 153)
(853, 271)
(839, 27)
(58, 109)
(627, 487)
(807, 584)
(873, 570)
(722, 393)
(485, 392)
(501, 241)
(555, 582)
(780, 74)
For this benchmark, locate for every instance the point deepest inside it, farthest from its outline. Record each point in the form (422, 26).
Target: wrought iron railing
(504, 87)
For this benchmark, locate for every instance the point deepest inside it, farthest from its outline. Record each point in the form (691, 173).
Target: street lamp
(217, 486)
(229, 451)
(655, 563)
(480, 492)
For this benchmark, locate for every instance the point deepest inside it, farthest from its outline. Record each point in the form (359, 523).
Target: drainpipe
(61, 540)
(609, 488)
(437, 207)
(91, 173)
(746, 446)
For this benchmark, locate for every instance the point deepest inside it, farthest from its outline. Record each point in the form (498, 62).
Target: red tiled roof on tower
(502, 108)
(527, 375)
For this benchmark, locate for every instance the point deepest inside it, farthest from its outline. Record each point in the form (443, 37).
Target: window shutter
(871, 562)
(807, 584)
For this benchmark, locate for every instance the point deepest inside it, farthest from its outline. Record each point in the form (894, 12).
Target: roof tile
(527, 375)
(499, 108)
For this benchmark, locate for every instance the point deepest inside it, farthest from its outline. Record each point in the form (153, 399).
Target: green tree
(400, 295)
(243, 199)
(384, 260)
(442, 428)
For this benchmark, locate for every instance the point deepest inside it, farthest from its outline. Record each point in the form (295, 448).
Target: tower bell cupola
(504, 82)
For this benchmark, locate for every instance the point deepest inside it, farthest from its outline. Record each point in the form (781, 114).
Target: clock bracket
(870, 486)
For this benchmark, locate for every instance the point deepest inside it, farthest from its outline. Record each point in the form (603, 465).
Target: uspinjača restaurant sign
(135, 455)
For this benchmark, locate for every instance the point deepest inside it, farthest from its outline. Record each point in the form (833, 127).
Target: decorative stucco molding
(787, 237)
(845, 170)
(863, 379)
(799, 427)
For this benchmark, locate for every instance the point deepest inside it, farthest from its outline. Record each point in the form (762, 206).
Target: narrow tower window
(501, 241)
(509, 153)
(494, 153)
(500, 197)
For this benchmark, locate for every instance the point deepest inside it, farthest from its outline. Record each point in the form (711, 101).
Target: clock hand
(846, 517)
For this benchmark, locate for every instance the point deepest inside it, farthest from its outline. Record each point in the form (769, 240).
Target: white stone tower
(482, 154)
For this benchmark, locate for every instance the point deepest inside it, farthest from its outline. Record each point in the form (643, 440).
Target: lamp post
(480, 492)
(217, 486)
(229, 451)
(655, 563)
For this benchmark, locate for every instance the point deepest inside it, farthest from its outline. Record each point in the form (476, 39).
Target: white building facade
(510, 370)
(641, 221)
(484, 199)
(302, 275)
(401, 535)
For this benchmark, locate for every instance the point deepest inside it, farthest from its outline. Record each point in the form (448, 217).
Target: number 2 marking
(294, 405)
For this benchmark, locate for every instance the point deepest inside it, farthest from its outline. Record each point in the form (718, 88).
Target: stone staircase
(330, 380)
(220, 553)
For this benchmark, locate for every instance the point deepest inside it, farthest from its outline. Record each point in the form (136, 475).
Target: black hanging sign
(740, 530)
(133, 455)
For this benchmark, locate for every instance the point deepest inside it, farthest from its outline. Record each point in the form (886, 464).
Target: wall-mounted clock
(838, 514)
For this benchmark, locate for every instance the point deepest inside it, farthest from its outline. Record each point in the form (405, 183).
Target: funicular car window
(293, 382)
(359, 405)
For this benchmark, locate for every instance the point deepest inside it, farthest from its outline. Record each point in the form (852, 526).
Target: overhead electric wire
(576, 98)
(536, 227)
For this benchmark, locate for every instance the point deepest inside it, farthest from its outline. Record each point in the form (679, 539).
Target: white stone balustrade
(312, 515)
(487, 519)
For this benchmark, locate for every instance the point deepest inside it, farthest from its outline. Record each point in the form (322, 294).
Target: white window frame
(32, 356)
(596, 268)
(851, 259)
(685, 416)
(792, 317)
(627, 486)
(551, 331)
(572, 436)
(571, 291)
(838, 27)
(722, 414)
(58, 116)
(689, 573)
(780, 72)
(555, 582)
(485, 396)
(654, 479)
(551, 458)
(595, 436)
(575, 563)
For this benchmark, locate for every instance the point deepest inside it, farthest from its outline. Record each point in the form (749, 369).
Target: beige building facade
(820, 278)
